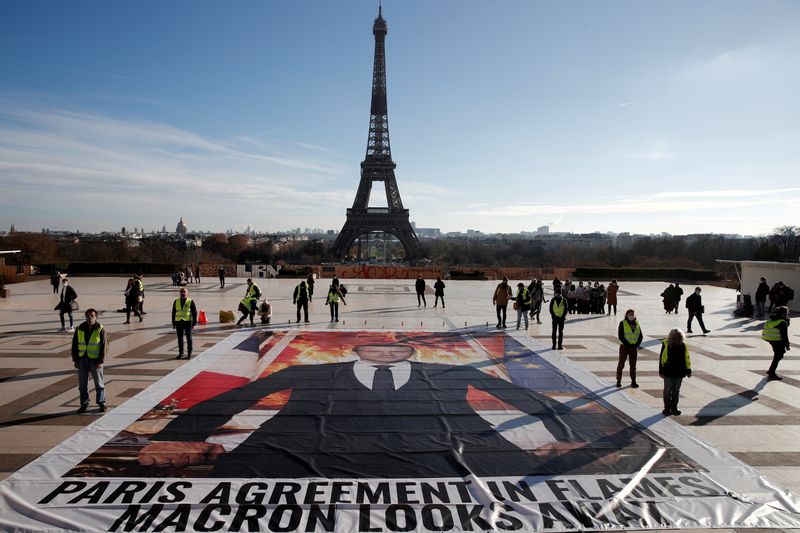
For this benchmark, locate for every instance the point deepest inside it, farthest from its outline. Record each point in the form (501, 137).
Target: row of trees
(658, 251)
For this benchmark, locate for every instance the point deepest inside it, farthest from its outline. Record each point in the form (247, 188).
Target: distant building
(181, 229)
(543, 230)
(429, 233)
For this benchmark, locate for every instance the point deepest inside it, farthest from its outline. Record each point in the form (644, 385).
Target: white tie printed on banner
(377, 431)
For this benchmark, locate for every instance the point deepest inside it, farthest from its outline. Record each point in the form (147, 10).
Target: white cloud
(665, 202)
(52, 157)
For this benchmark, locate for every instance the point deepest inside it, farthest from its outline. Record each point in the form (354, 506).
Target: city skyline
(678, 118)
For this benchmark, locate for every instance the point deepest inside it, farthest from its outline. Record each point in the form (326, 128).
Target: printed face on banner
(380, 405)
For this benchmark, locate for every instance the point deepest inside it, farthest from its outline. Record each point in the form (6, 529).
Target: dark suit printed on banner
(335, 426)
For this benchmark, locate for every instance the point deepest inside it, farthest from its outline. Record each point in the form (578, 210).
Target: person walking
(140, 284)
(611, 293)
(332, 300)
(197, 273)
(310, 284)
(694, 303)
(184, 318)
(300, 298)
(55, 280)
(558, 316)
(678, 294)
(420, 288)
(630, 336)
(762, 291)
(247, 305)
(537, 297)
(673, 365)
(67, 303)
(438, 291)
(132, 301)
(89, 349)
(502, 294)
(776, 333)
(522, 303)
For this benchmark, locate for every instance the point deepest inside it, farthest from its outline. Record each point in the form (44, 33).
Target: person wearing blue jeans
(89, 348)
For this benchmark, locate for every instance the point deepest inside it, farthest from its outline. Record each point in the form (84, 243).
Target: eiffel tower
(378, 166)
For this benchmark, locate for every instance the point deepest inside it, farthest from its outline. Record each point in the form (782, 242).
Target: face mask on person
(92, 320)
(631, 317)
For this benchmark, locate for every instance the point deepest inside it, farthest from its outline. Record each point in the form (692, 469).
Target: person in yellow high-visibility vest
(89, 349)
(776, 333)
(184, 318)
(558, 315)
(334, 296)
(248, 304)
(630, 336)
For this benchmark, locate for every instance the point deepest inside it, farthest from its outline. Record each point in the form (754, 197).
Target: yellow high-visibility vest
(665, 354)
(560, 308)
(251, 290)
(183, 313)
(92, 348)
(771, 333)
(248, 303)
(631, 334)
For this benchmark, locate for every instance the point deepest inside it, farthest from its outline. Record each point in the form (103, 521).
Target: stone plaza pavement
(728, 402)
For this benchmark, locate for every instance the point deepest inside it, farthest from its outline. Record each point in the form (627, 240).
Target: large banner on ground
(376, 431)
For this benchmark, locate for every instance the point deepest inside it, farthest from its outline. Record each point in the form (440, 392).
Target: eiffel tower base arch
(359, 223)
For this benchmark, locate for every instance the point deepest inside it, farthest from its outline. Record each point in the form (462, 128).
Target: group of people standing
(438, 292)
(590, 298)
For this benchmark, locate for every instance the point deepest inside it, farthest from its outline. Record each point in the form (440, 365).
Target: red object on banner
(203, 386)
(202, 318)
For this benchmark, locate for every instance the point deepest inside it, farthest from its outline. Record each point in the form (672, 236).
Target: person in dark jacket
(438, 291)
(420, 288)
(678, 292)
(761, 297)
(89, 349)
(773, 295)
(132, 301)
(630, 336)
(558, 316)
(694, 303)
(522, 303)
(669, 299)
(184, 318)
(537, 296)
(310, 284)
(221, 277)
(785, 294)
(674, 364)
(776, 333)
(64, 306)
(55, 280)
(300, 298)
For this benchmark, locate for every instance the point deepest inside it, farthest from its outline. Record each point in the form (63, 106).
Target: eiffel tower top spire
(378, 148)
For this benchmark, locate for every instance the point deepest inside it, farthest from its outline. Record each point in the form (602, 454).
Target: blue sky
(677, 116)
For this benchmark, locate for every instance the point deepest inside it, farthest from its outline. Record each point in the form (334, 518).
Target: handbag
(73, 305)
